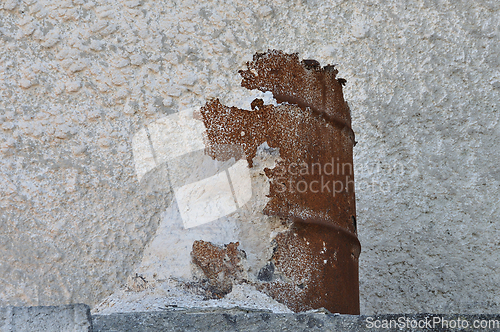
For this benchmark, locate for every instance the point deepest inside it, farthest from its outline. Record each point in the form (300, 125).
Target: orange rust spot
(221, 266)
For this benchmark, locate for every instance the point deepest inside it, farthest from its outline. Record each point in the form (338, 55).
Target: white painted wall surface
(79, 79)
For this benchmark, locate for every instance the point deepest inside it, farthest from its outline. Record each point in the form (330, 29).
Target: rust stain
(312, 184)
(220, 265)
(316, 266)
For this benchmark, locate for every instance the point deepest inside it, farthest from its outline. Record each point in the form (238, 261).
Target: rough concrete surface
(70, 318)
(79, 79)
(77, 318)
(244, 320)
(224, 320)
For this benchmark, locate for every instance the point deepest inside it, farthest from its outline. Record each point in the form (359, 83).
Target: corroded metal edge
(315, 263)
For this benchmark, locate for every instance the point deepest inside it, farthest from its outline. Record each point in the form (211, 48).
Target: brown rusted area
(312, 185)
(220, 265)
(316, 265)
(304, 84)
(312, 131)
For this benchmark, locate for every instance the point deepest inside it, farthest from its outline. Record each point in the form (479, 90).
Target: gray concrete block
(76, 317)
(73, 317)
(222, 320)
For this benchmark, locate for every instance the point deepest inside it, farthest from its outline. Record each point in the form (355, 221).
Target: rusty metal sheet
(317, 266)
(312, 185)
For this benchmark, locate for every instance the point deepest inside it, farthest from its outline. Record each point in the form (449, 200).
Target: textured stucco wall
(78, 79)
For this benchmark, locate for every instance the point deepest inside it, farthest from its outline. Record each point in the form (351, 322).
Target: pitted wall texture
(78, 79)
